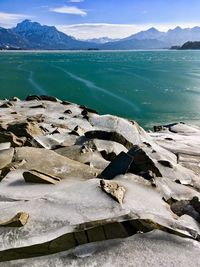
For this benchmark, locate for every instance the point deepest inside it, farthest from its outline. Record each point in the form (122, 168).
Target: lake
(151, 87)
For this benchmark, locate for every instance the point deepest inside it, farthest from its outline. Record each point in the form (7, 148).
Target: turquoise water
(151, 87)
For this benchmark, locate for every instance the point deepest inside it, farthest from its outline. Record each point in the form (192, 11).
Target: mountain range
(32, 35)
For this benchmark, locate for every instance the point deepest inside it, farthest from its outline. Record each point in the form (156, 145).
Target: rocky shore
(82, 189)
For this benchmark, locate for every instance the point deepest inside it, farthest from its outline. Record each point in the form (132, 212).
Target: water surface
(151, 87)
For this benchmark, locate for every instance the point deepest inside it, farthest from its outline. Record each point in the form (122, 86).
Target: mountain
(150, 39)
(32, 35)
(179, 36)
(47, 37)
(8, 38)
(151, 33)
(134, 44)
(102, 40)
(173, 37)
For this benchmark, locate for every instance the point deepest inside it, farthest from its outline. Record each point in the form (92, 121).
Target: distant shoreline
(85, 51)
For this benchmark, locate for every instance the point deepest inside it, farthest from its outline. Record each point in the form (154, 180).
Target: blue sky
(97, 18)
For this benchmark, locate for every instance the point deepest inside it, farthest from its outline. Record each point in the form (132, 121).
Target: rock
(78, 131)
(158, 128)
(80, 154)
(15, 99)
(6, 105)
(54, 164)
(108, 149)
(6, 157)
(173, 190)
(11, 138)
(11, 167)
(166, 163)
(142, 162)
(63, 210)
(48, 142)
(112, 136)
(189, 207)
(65, 103)
(42, 97)
(70, 153)
(181, 128)
(88, 146)
(19, 220)
(33, 97)
(37, 118)
(49, 98)
(6, 145)
(156, 246)
(25, 129)
(87, 110)
(123, 131)
(195, 203)
(114, 189)
(39, 106)
(120, 165)
(34, 176)
(185, 207)
(68, 111)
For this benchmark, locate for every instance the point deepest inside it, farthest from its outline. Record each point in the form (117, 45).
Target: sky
(86, 19)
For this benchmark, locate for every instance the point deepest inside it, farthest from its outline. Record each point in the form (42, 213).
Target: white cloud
(9, 20)
(96, 30)
(69, 10)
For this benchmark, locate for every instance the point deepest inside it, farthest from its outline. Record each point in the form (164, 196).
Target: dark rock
(86, 110)
(158, 128)
(77, 131)
(196, 204)
(148, 175)
(142, 163)
(135, 161)
(147, 144)
(68, 111)
(6, 105)
(120, 165)
(169, 139)
(189, 207)
(165, 163)
(49, 98)
(25, 129)
(115, 230)
(10, 137)
(42, 97)
(33, 97)
(65, 103)
(38, 106)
